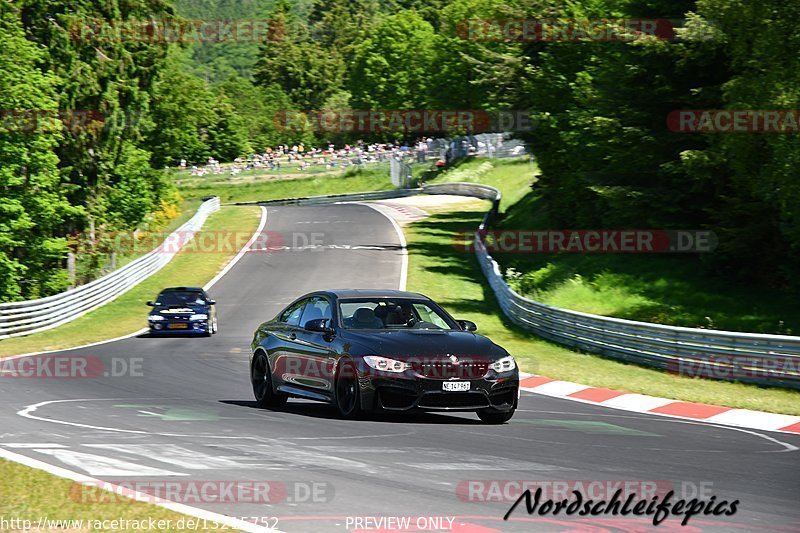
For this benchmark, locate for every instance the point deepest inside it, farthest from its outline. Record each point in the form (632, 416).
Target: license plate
(178, 326)
(456, 386)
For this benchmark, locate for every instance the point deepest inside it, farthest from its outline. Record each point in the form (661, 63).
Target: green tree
(393, 69)
(304, 69)
(32, 206)
(195, 120)
(103, 74)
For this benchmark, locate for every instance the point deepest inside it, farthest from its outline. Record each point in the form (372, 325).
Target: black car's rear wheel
(348, 397)
(261, 377)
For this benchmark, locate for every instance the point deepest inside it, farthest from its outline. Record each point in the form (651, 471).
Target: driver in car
(399, 315)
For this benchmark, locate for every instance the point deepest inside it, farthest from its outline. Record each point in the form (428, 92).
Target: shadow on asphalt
(328, 412)
(173, 335)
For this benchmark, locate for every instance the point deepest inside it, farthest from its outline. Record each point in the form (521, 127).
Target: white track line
(135, 495)
(244, 250)
(115, 339)
(403, 246)
(207, 286)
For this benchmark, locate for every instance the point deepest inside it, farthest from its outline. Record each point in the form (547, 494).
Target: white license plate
(456, 386)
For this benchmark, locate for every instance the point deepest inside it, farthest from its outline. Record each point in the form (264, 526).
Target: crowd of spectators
(299, 157)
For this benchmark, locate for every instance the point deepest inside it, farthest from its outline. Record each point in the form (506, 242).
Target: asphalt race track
(185, 413)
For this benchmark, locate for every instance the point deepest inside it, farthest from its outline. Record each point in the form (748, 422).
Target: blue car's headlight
(199, 316)
(155, 318)
(504, 364)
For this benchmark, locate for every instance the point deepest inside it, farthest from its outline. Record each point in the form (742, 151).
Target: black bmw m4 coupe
(373, 350)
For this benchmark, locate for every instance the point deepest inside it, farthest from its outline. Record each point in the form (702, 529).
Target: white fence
(32, 316)
(747, 357)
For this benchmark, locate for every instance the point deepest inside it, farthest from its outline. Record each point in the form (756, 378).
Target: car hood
(179, 309)
(400, 344)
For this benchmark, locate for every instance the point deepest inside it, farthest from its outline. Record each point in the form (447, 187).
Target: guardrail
(334, 198)
(724, 355)
(32, 316)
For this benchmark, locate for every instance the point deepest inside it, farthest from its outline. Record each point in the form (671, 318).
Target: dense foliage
(607, 155)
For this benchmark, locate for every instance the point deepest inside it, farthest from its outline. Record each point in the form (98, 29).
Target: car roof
(345, 294)
(182, 289)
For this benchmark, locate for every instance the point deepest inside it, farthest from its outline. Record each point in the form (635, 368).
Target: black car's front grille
(449, 370)
(454, 399)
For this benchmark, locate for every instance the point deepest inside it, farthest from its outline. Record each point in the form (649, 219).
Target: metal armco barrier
(712, 354)
(723, 355)
(333, 198)
(32, 316)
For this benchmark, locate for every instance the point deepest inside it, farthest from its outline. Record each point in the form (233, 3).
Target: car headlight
(199, 316)
(155, 318)
(385, 364)
(504, 364)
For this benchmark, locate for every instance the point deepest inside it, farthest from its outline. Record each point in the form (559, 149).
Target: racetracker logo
(737, 367)
(404, 121)
(734, 121)
(564, 30)
(188, 241)
(50, 121)
(203, 492)
(510, 490)
(71, 367)
(589, 241)
(177, 31)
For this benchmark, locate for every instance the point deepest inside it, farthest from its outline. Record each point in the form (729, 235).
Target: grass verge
(30, 494)
(453, 278)
(193, 266)
(356, 180)
(670, 289)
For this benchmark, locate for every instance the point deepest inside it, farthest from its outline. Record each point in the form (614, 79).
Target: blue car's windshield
(392, 314)
(181, 298)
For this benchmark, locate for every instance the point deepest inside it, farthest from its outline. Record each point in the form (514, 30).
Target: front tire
(348, 392)
(261, 378)
(495, 417)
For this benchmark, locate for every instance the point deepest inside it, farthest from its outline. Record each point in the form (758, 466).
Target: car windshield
(181, 298)
(392, 314)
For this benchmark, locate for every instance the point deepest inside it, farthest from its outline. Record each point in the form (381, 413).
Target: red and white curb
(399, 212)
(641, 403)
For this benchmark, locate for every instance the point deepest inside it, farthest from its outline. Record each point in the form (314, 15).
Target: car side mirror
(150, 303)
(319, 325)
(212, 302)
(467, 325)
